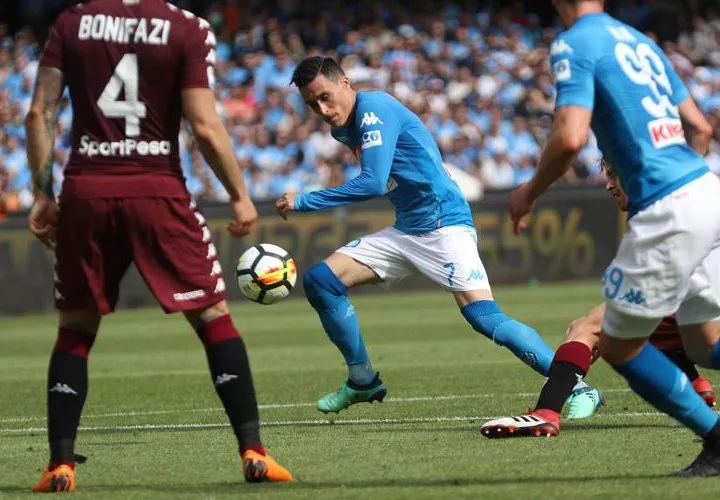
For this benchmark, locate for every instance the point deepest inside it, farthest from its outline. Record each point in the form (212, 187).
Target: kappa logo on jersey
(371, 139)
(370, 119)
(561, 70)
(665, 132)
(560, 47)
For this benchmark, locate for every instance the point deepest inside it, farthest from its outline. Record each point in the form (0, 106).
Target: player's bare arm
(214, 143)
(40, 127)
(697, 129)
(569, 134)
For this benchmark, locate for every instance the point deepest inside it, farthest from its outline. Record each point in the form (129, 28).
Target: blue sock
(715, 356)
(486, 317)
(326, 293)
(662, 384)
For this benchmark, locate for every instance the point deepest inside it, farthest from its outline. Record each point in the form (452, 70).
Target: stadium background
(476, 72)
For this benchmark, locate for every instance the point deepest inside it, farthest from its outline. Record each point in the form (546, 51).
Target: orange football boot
(59, 480)
(259, 468)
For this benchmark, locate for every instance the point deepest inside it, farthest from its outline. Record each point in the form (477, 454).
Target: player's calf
(328, 296)
(231, 376)
(486, 317)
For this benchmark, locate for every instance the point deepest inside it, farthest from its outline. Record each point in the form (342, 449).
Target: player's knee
(322, 287)
(199, 317)
(486, 317)
(74, 341)
(583, 330)
(700, 354)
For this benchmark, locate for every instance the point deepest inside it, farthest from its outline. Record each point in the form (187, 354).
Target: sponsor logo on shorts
(124, 147)
(371, 139)
(353, 243)
(183, 297)
(634, 297)
(666, 132)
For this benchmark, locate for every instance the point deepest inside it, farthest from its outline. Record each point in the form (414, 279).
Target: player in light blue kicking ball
(433, 234)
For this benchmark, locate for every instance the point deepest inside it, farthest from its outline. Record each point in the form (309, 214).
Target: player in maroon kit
(133, 68)
(573, 359)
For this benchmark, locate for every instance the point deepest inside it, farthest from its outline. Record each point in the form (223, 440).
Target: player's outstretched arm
(215, 146)
(40, 127)
(377, 149)
(697, 129)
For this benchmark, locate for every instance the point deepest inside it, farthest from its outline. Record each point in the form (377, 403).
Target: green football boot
(350, 393)
(584, 402)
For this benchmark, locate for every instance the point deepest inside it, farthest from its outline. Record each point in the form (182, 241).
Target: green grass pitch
(153, 427)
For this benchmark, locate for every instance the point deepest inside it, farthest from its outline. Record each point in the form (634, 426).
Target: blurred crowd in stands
(478, 78)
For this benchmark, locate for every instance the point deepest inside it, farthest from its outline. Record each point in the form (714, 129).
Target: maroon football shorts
(666, 336)
(166, 238)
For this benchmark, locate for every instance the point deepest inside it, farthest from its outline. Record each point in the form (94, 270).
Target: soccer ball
(266, 273)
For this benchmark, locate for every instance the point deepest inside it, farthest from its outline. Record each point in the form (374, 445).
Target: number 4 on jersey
(132, 109)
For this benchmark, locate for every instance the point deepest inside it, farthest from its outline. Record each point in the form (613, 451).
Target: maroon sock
(52, 467)
(570, 364)
(256, 448)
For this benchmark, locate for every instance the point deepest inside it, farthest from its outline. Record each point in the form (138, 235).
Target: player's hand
(244, 215)
(285, 205)
(519, 205)
(43, 220)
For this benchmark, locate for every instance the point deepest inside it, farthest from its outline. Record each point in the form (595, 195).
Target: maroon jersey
(125, 63)
(667, 335)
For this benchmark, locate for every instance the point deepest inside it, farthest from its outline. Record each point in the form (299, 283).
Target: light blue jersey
(398, 157)
(634, 93)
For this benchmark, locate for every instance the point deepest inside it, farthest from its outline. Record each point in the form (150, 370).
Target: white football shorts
(668, 261)
(449, 256)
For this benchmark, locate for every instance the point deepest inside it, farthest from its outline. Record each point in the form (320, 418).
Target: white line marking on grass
(275, 406)
(310, 422)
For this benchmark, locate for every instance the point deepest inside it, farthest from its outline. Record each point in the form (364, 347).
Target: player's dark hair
(311, 67)
(664, 23)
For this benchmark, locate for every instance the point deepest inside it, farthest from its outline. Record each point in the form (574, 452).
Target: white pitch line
(275, 406)
(311, 422)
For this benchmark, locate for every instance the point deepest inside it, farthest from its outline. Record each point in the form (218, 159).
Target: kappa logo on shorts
(183, 297)
(476, 275)
(219, 286)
